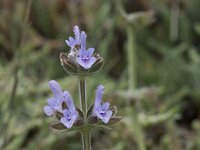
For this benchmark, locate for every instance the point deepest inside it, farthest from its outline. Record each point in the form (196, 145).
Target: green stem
(131, 58)
(86, 142)
(83, 103)
(132, 86)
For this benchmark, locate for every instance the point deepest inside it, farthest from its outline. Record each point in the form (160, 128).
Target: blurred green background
(153, 43)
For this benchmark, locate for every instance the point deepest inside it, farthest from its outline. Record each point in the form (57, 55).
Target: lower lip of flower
(103, 113)
(85, 59)
(68, 118)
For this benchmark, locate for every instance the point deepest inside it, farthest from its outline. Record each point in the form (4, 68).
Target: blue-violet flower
(72, 42)
(101, 110)
(55, 102)
(70, 113)
(85, 57)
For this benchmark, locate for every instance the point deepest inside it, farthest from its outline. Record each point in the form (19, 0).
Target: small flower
(55, 102)
(73, 42)
(70, 114)
(101, 110)
(85, 57)
(80, 60)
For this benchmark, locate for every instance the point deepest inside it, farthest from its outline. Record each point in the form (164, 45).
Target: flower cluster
(78, 52)
(55, 105)
(61, 104)
(80, 59)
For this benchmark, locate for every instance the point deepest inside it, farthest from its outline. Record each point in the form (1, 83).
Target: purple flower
(55, 102)
(101, 110)
(72, 42)
(85, 57)
(78, 53)
(70, 114)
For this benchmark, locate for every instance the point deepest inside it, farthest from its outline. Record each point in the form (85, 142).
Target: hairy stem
(86, 142)
(132, 76)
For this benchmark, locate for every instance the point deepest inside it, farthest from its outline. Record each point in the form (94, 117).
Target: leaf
(80, 120)
(58, 126)
(79, 123)
(58, 115)
(68, 66)
(80, 114)
(114, 120)
(89, 112)
(98, 65)
(92, 120)
(101, 126)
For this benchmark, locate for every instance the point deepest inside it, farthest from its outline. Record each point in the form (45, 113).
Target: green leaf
(101, 126)
(114, 120)
(89, 112)
(92, 119)
(58, 126)
(79, 123)
(98, 65)
(80, 114)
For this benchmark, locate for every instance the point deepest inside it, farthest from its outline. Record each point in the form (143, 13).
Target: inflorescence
(81, 61)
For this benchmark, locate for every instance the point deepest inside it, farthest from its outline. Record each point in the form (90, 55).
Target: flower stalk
(85, 133)
(86, 141)
(82, 90)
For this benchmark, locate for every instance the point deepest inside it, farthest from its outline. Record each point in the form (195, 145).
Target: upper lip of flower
(85, 58)
(73, 42)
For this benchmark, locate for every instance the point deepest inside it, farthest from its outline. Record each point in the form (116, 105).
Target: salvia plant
(80, 61)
